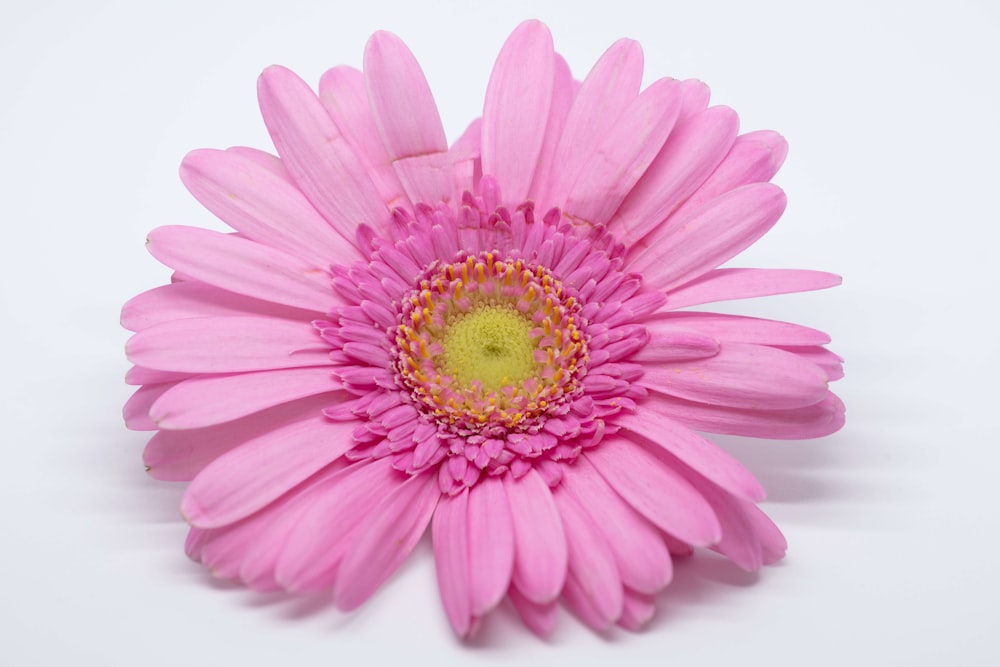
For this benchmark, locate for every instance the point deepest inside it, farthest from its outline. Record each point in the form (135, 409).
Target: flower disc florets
(490, 345)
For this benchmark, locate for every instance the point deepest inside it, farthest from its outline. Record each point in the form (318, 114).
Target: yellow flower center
(491, 345)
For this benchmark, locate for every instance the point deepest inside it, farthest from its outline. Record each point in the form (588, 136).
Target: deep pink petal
(491, 544)
(742, 375)
(320, 160)
(652, 423)
(227, 345)
(386, 539)
(209, 400)
(729, 284)
(689, 156)
(813, 421)
(593, 589)
(248, 477)
(450, 534)
(739, 329)
(180, 455)
(691, 246)
(539, 539)
(643, 559)
(624, 154)
(539, 618)
(243, 266)
(655, 490)
(263, 206)
(518, 96)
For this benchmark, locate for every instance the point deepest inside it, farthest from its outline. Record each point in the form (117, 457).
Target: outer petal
(539, 539)
(249, 477)
(729, 284)
(394, 528)
(491, 544)
(209, 400)
(562, 99)
(540, 618)
(739, 329)
(237, 265)
(316, 154)
(518, 99)
(450, 534)
(136, 410)
(655, 490)
(742, 376)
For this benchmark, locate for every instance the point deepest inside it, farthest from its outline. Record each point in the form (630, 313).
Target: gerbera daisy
(486, 339)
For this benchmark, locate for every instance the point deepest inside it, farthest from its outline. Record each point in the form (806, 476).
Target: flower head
(488, 338)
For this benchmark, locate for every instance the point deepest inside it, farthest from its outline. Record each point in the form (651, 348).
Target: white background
(891, 110)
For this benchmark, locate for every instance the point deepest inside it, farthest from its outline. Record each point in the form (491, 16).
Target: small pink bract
(487, 339)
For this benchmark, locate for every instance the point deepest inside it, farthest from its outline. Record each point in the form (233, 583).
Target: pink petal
(729, 284)
(671, 344)
(606, 92)
(316, 154)
(227, 345)
(562, 100)
(624, 154)
(178, 301)
(180, 455)
(491, 544)
(263, 206)
(384, 542)
(772, 542)
(518, 97)
(243, 266)
(739, 542)
(338, 505)
(136, 410)
(690, 155)
(593, 589)
(539, 618)
(637, 611)
(812, 421)
(642, 558)
(137, 375)
(407, 119)
(651, 423)
(831, 363)
(247, 478)
(465, 158)
(742, 376)
(754, 158)
(739, 329)
(210, 400)
(702, 241)
(450, 534)
(655, 490)
(539, 539)
(344, 95)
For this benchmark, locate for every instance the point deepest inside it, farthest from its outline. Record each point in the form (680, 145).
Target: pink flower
(487, 339)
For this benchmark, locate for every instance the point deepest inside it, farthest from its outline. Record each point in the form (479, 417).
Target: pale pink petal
(519, 94)
(755, 157)
(340, 504)
(270, 162)
(739, 329)
(178, 301)
(180, 455)
(739, 541)
(830, 362)
(695, 98)
(729, 284)
(209, 400)
(655, 490)
(386, 539)
(539, 618)
(465, 158)
(813, 421)
(643, 559)
(407, 119)
(593, 589)
(705, 239)
(136, 410)
(741, 376)
(243, 266)
(248, 477)
(772, 542)
(673, 344)
(344, 95)
(699, 454)
(321, 161)
(137, 375)
(624, 154)
(690, 155)
(263, 207)
(562, 100)
(606, 92)
(491, 544)
(450, 534)
(227, 345)
(539, 539)
(637, 611)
